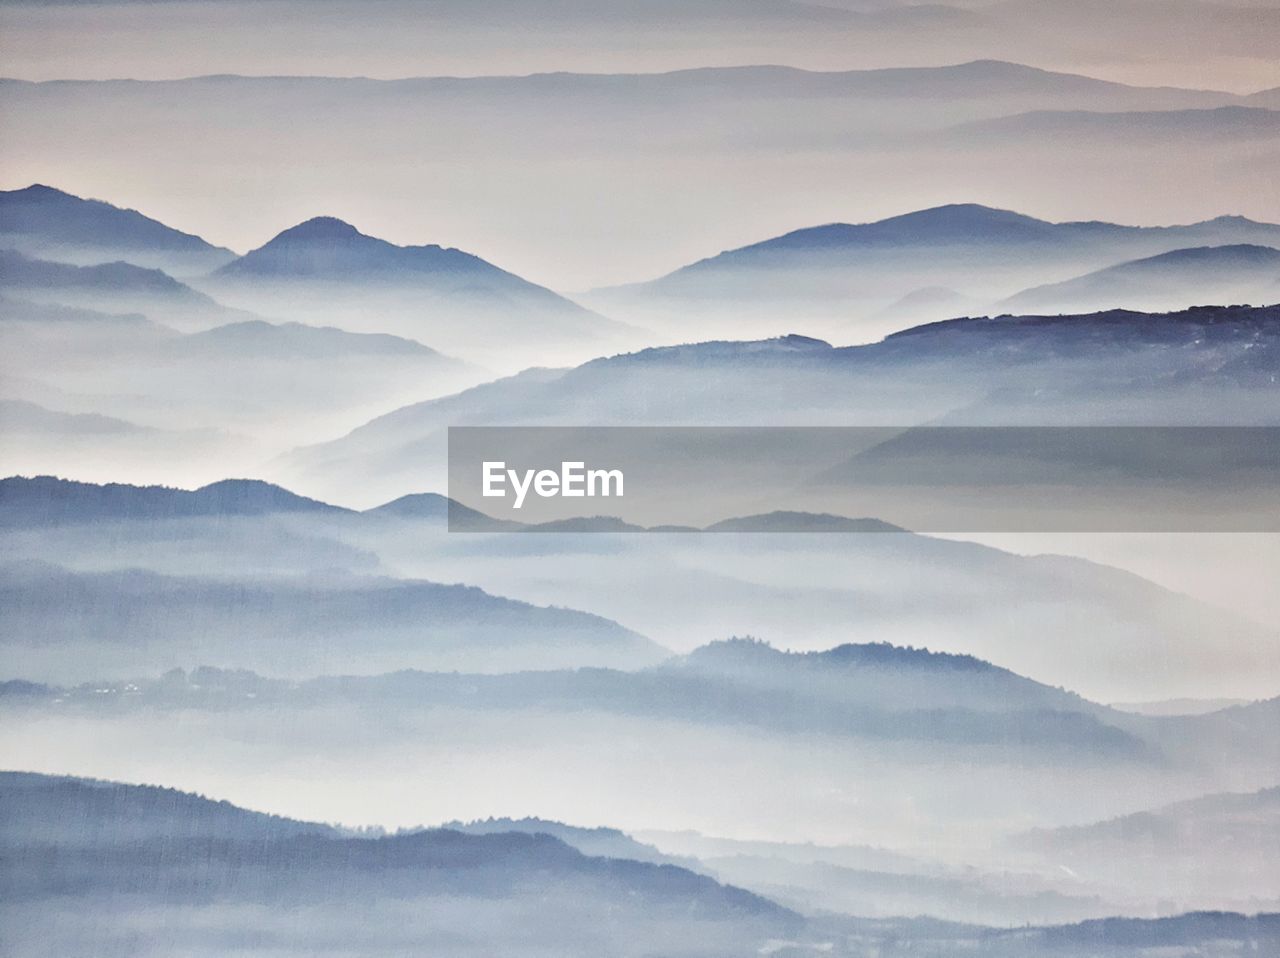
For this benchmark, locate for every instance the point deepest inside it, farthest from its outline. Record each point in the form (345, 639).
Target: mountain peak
(319, 228)
(41, 191)
(963, 215)
(1233, 219)
(328, 248)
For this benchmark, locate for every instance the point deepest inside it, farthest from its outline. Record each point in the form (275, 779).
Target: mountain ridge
(954, 221)
(49, 500)
(981, 68)
(1176, 278)
(45, 218)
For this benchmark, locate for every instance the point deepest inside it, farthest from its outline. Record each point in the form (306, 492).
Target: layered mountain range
(203, 865)
(765, 717)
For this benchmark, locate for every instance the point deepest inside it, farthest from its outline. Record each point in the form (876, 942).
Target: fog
(525, 172)
(988, 666)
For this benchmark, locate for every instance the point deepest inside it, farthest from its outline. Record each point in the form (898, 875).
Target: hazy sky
(1179, 42)
(541, 196)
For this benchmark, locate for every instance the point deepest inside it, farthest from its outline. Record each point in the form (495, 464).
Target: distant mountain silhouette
(1239, 820)
(1173, 280)
(586, 524)
(958, 228)
(19, 417)
(927, 304)
(330, 272)
(49, 316)
(295, 625)
(256, 340)
(116, 287)
(66, 811)
(957, 223)
(829, 275)
(23, 272)
(1119, 366)
(329, 250)
(880, 674)
(1219, 849)
(870, 693)
(1198, 930)
(123, 851)
(599, 842)
(87, 841)
(800, 522)
(437, 508)
(1178, 706)
(1101, 336)
(46, 500)
(43, 221)
(1174, 127)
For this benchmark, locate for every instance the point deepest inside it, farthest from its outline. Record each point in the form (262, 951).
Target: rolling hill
(134, 850)
(41, 221)
(113, 287)
(329, 271)
(1175, 280)
(1198, 366)
(833, 273)
(1215, 850)
(70, 625)
(43, 501)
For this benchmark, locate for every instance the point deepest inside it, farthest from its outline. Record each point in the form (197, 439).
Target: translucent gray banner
(925, 479)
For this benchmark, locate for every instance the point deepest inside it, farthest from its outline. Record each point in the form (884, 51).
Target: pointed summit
(39, 191)
(323, 247)
(319, 228)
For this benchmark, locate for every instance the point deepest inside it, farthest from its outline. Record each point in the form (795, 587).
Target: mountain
(970, 894)
(825, 274)
(1197, 366)
(558, 144)
(45, 222)
(927, 304)
(69, 812)
(433, 507)
(71, 625)
(879, 674)
(22, 418)
(862, 695)
(800, 522)
(51, 323)
(40, 439)
(597, 842)
(956, 230)
(1185, 706)
(327, 267)
(1099, 630)
(1196, 932)
(1126, 129)
(255, 341)
(115, 287)
(271, 383)
(45, 500)
(986, 751)
(330, 250)
(1235, 821)
(1215, 850)
(127, 851)
(1208, 274)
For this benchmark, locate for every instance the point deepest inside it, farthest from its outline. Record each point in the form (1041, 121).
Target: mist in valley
(939, 348)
